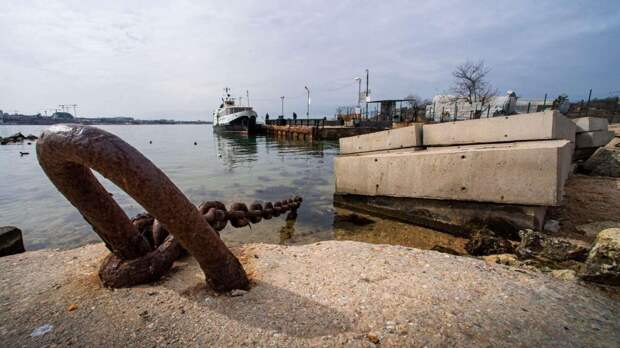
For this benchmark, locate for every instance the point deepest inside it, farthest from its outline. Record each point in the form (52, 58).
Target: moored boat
(230, 117)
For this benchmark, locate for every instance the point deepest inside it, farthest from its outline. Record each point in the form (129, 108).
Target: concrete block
(547, 125)
(459, 218)
(397, 138)
(593, 139)
(589, 124)
(528, 173)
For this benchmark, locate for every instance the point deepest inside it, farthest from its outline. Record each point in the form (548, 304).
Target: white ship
(233, 118)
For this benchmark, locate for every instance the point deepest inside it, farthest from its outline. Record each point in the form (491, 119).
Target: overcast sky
(172, 59)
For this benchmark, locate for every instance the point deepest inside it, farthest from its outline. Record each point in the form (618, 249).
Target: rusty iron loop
(67, 153)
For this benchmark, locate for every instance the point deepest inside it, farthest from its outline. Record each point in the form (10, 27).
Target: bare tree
(470, 82)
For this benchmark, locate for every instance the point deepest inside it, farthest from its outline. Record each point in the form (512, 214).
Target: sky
(172, 59)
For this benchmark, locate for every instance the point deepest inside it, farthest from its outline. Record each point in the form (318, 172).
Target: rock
(502, 259)
(373, 337)
(535, 245)
(11, 241)
(564, 274)
(445, 250)
(592, 229)
(237, 293)
(603, 263)
(31, 137)
(483, 242)
(552, 226)
(604, 162)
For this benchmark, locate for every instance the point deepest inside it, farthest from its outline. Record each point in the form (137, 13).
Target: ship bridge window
(235, 110)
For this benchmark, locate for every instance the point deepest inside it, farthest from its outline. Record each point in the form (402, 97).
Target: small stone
(564, 274)
(373, 337)
(42, 330)
(237, 293)
(72, 307)
(502, 259)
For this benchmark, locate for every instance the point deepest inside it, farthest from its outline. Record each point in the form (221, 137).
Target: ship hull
(245, 123)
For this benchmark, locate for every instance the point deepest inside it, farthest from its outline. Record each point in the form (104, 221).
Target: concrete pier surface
(527, 173)
(324, 294)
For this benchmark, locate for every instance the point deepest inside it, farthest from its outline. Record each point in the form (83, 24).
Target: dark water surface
(230, 168)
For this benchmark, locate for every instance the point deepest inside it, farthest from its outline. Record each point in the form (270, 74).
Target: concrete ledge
(404, 137)
(589, 124)
(327, 294)
(455, 217)
(546, 125)
(593, 139)
(528, 173)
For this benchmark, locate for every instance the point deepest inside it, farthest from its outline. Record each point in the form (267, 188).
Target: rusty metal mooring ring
(68, 152)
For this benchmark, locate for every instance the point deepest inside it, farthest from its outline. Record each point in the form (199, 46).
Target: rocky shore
(324, 294)
(17, 138)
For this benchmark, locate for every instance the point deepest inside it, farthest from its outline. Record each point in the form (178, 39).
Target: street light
(308, 105)
(282, 97)
(359, 94)
(359, 89)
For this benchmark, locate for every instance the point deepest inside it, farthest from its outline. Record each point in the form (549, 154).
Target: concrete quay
(527, 173)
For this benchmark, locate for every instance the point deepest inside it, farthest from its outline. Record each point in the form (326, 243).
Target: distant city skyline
(173, 59)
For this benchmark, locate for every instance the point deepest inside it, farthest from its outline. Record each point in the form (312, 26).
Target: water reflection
(226, 167)
(236, 148)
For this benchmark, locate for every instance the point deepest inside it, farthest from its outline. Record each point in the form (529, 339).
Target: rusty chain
(218, 216)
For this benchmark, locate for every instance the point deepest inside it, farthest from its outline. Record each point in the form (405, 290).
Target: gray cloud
(172, 59)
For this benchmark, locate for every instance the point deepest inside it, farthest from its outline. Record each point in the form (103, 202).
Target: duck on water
(230, 117)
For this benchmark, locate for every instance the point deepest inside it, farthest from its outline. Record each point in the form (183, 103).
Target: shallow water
(230, 168)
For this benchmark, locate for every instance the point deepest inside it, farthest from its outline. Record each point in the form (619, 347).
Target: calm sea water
(229, 168)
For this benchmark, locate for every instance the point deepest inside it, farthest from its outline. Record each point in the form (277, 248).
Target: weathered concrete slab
(546, 125)
(528, 173)
(455, 217)
(391, 296)
(589, 124)
(404, 137)
(593, 139)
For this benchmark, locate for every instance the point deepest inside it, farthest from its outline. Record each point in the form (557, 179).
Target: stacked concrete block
(592, 133)
(398, 138)
(515, 160)
(528, 173)
(547, 125)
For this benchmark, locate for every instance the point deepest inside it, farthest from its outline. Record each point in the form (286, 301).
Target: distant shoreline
(111, 123)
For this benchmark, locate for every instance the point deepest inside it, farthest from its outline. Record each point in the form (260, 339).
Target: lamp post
(282, 97)
(367, 94)
(359, 94)
(308, 103)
